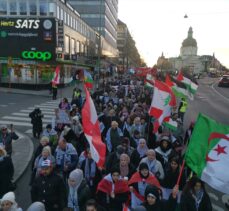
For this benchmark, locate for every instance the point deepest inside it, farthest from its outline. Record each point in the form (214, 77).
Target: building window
(58, 12)
(43, 8)
(61, 14)
(13, 7)
(74, 23)
(71, 21)
(78, 46)
(3, 7)
(68, 20)
(65, 17)
(67, 44)
(52, 9)
(22, 8)
(33, 8)
(73, 46)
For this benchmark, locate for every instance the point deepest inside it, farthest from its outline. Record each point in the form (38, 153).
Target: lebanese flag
(56, 77)
(208, 153)
(92, 131)
(162, 102)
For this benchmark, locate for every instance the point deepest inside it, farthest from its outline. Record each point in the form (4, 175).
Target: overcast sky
(159, 26)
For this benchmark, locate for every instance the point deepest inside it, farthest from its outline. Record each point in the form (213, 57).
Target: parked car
(224, 81)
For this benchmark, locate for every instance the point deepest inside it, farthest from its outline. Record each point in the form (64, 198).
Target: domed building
(188, 58)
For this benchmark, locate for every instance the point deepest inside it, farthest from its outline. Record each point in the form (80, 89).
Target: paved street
(214, 102)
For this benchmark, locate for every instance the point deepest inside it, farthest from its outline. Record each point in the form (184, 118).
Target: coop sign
(37, 55)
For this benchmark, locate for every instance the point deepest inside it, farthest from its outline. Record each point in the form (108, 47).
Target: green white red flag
(162, 103)
(208, 153)
(191, 86)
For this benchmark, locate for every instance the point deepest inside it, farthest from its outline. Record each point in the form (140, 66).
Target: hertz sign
(28, 38)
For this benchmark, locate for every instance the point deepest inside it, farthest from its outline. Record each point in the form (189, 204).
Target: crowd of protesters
(141, 168)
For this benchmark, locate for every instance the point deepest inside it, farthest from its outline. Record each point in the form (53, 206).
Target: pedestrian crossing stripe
(25, 119)
(26, 115)
(44, 112)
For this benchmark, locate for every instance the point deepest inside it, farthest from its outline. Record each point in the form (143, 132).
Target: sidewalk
(22, 154)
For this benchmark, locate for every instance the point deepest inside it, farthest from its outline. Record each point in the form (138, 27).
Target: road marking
(43, 112)
(25, 119)
(5, 122)
(42, 109)
(26, 115)
(29, 131)
(219, 92)
(3, 105)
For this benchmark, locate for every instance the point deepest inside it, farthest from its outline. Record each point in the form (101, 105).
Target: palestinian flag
(172, 125)
(208, 153)
(88, 81)
(149, 81)
(162, 102)
(179, 89)
(191, 86)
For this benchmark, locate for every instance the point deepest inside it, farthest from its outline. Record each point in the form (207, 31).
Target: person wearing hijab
(8, 203)
(91, 173)
(36, 206)
(79, 191)
(126, 168)
(112, 191)
(153, 201)
(194, 196)
(139, 153)
(164, 151)
(139, 182)
(154, 165)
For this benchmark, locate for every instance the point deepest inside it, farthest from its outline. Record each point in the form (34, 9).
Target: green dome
(189, 41)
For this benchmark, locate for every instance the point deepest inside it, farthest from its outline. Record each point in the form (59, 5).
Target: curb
(29, 156)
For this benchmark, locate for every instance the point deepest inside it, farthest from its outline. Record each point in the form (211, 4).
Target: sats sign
(28, 38)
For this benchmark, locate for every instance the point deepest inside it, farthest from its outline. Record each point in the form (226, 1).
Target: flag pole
(181, 172)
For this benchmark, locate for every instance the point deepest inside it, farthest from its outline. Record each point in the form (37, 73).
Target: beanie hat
(152, 191)
(143, 166)
(36, 206)
(10, 196)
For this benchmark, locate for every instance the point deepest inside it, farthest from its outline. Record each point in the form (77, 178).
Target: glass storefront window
(33, 8)
(73, 47)
(78, 47)
(43, 8)
(3, 7)
(23, 8)
(67, 44)
(13, 7)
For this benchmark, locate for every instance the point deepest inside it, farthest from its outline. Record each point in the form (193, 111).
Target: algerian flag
(162, 102)
(178, 88)
(191, 87)
(172, 125)
(208, 153)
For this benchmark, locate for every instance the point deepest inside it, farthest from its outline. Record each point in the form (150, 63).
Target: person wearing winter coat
(154, 165)
(36, 120)
(91, 172)
(126, 168)
(194, 196)
(171, 175)
(6, 138)
(36, 206)
(52, 135)
(66, 158)
(153, 201)
(8, 203)
(112, 191)
(79, 191)
(164, 151)
(6, 172)
(139, 182)
(49, 188)
(139, 153)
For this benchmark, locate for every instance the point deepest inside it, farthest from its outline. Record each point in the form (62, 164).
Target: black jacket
(6, 174)
(51, 191)
(188, 203)
(84, 194)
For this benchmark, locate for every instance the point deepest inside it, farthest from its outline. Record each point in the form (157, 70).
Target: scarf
(198, 198)
(90, 170)
(165, 155)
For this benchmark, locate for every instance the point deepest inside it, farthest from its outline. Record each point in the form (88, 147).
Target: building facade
(37, 35)
(102, 15)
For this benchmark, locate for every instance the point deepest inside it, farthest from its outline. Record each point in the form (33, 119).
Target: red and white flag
(162, 102)
(56, 77)
(92, 130)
